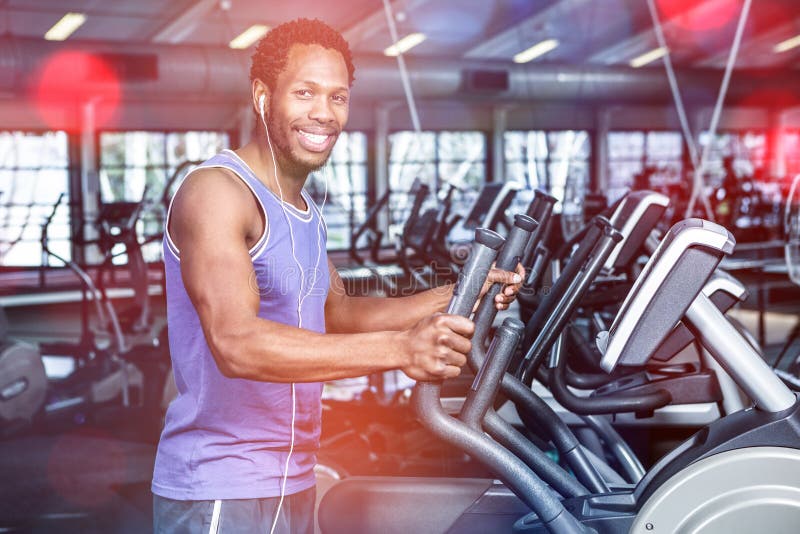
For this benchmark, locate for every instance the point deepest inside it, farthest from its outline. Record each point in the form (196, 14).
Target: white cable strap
(405, 81)
(723, 91)
(214, 528)
(673, 85)
(698, 182)
(401, 63)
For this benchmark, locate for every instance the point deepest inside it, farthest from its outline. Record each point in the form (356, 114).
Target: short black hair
(272, 51)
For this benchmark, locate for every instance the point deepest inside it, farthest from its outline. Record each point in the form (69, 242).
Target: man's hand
(512, 281)
(436, 347)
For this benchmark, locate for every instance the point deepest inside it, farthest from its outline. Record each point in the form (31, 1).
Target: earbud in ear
(261, 105)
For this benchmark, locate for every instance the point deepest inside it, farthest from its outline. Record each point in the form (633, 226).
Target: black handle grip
(517, 240)
(473, 275)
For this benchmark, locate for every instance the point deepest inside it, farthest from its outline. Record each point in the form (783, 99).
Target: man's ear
(260, 97)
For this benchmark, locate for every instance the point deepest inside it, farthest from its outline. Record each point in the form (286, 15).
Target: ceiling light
(65, 27)
(405, 44)
(788, 44)
(249, 36)
(649, 57)
(539, 49)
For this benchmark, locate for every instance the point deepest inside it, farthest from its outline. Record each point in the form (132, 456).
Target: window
(791, 153)
(346, 204)
(631, 153)
(436, 158)
(131, 161)
(747, 149)
(33, 174)
(554, 161)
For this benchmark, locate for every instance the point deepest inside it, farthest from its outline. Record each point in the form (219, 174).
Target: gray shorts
(243, 516)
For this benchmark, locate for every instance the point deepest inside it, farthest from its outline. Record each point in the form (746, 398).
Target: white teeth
(314, 138)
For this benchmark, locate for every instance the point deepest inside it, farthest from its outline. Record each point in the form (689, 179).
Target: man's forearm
(257, 349)
(268, 351)
(374, 314)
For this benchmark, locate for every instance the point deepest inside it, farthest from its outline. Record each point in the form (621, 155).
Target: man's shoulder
(211, 194)
(211, 184)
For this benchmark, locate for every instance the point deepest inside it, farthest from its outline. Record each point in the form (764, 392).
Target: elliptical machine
(741, 473)
(99, 374)
(23, 381)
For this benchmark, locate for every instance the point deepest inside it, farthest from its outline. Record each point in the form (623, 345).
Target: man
(258, 315)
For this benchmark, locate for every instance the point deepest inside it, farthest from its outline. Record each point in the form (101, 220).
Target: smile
(315, 142)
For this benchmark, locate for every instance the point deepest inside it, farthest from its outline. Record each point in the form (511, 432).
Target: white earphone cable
(299, 319)
(300, 297)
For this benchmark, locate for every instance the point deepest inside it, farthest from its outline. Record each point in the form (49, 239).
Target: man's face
(308, 108)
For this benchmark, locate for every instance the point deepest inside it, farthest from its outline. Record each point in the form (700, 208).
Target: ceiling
(699, 33)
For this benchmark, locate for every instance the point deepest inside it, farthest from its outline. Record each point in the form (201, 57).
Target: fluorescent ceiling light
(65, 27)
(649, 57)
(539, 49)
(788, 44)
(405, 44)
(249, 36)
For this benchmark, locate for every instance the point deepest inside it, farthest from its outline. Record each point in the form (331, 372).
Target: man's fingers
(504, 277)
(456, 323)
(455, 358)
(457, 343)
(451, 371)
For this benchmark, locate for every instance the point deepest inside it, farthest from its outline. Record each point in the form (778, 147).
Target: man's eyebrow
(315, 84)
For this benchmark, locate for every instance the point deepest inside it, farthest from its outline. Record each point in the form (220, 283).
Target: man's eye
(340, 99)
(303, 92)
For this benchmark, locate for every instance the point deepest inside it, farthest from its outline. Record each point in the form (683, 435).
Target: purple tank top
(228, 438)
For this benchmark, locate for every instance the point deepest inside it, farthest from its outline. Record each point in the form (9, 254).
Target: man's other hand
(436, 347)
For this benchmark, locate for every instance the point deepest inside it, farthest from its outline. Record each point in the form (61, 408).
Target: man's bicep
(221, 282)
(215, 263)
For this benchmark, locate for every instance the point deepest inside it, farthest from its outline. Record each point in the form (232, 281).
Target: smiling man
(258, 317)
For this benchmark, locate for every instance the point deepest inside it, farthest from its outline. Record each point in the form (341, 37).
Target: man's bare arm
(344, 313)
(209, 225)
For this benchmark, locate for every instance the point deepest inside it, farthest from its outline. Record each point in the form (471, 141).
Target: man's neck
(259, 158)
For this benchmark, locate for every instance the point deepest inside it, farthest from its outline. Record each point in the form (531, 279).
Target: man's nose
(321, 111)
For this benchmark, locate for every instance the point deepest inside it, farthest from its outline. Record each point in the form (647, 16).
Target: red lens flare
(697, 16)
(771, 97)
(69, 80)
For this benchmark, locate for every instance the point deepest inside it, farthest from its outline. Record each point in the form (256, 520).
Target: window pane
(194, 146)
(664, 146)
(620, 177)
(350, 147)
(409, 146)
(131, 161)
(515, 146)
(33, 174)
(644, 160)
(791, 152)
(554, 161)
(462, 146)
(516, 172)
(748, 151)
(569, 144)
(346, 179)
(625, 145)
(401, 176)
(471, 175)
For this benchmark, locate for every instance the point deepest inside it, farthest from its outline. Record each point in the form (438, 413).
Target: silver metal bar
(738, 358)
(630, 464)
